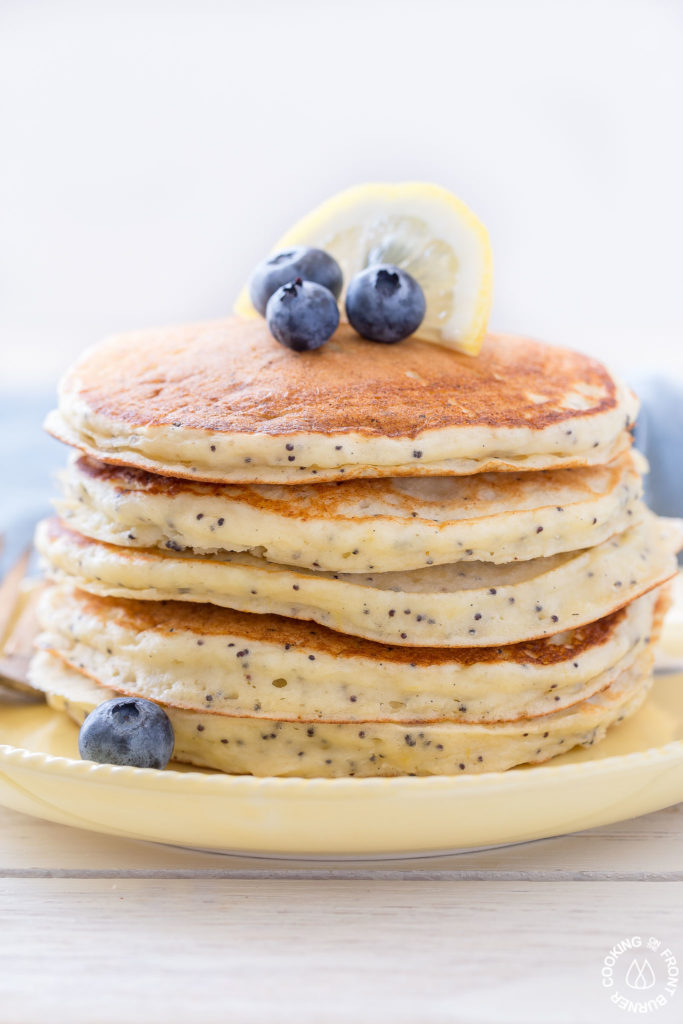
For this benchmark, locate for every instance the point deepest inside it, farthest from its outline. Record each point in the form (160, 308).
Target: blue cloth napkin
(28, 462)
(659, 435)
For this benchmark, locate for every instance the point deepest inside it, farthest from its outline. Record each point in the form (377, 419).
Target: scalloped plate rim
(38, 762)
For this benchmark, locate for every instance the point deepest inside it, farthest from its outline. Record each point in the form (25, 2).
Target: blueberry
(127, 730)
(384, 303)
(300, 261)
(302, 315)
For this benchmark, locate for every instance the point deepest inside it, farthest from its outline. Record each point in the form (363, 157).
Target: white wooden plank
(291, 952)
(648, 846)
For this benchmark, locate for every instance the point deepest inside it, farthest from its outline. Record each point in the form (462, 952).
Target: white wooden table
(97, 929)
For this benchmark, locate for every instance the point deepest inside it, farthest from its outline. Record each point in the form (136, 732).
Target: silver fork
(18, 631)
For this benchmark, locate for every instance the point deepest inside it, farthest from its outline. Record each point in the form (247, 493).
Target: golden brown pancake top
(232, 376)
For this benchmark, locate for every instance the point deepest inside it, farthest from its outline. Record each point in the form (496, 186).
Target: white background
(152, 152)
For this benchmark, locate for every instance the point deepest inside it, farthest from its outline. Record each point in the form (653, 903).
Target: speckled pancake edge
(206, 621)
(247, 470)
(241, 673)
(358, 525)
(244, 746)
(532, 599)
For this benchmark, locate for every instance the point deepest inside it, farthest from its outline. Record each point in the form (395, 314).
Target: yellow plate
(638, 768)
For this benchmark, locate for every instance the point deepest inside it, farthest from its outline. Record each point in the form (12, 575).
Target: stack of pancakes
(364, 560)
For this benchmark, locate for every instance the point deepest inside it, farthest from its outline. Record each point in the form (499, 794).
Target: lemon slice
(421, 227)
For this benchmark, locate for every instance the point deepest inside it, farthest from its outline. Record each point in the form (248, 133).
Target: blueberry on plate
(384, 303)
(300, 261)
(302, 315)
(127, 730)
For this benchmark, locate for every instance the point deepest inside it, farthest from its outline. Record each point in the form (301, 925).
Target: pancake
(359, 525)
(265, 666)
(275, 748)
(224, 402)
(468, 604)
